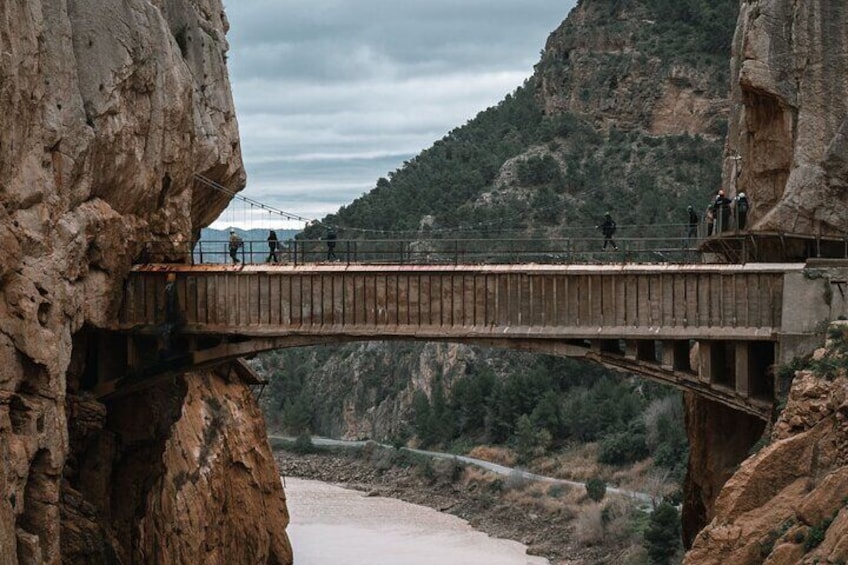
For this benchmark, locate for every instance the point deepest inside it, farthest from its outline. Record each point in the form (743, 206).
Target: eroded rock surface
(109, 110)
(789, 502)
(788, 125)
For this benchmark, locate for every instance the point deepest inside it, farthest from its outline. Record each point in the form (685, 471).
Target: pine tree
(662, 538)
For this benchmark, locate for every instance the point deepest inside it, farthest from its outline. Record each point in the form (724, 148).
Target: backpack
(742, 205)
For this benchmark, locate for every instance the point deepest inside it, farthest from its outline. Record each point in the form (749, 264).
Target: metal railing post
(294, 252)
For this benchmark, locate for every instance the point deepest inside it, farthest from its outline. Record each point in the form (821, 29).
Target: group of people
(718, 217)
(718, 213)
(236, 243)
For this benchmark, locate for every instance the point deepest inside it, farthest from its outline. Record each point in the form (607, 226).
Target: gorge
(112, 110)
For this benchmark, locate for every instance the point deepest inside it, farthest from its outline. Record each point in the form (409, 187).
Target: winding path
(642, 498)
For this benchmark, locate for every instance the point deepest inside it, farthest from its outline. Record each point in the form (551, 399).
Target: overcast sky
(333, 94)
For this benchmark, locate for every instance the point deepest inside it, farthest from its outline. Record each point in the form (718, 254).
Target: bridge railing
(478, 250)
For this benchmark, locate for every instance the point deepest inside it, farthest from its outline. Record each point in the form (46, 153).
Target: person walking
(608, 229)
(692, 232)
(273, 245)
(235, 244)
(331, 244)
(742, 206)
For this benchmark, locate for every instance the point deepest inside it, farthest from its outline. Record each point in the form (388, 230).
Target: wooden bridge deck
(569, 301)
(642, 318)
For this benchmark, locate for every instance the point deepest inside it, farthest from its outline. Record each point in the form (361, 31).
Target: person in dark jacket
(721, 210)
(273, 245)
(742, 206)
(608, 229)
(234, 245)
(692, 231)
(331, 244)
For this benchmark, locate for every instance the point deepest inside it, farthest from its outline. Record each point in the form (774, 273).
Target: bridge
(742, 320)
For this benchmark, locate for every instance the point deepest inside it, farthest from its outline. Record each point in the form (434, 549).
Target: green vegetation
(596, 489)
(767, 545)
(817, 534)
(662, 538)
(534, 404)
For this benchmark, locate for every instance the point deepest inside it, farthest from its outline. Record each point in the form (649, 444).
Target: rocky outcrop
(789, 126)
(598, 64)
(719, 439)
(789, 503)
(110, 109)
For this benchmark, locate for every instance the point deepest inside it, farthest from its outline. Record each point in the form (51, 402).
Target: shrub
(624, 447)
(817, 534)
(596, 489)
(303, 444)
(662, 538)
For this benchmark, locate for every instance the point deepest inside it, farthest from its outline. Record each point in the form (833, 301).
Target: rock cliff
(785, 149)
(789, 502)
(789, 125)
(110, 109)
(616, 64)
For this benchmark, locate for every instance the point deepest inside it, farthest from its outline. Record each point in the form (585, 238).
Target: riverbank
(555, 522)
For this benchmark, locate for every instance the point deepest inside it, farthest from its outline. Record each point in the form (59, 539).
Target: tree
(662, 538)
(596, 489)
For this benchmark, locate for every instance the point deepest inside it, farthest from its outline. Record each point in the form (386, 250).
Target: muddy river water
(332, 525)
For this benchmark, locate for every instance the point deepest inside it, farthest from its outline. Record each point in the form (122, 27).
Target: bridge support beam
(744, 378)
(642, 350)
(705, 362)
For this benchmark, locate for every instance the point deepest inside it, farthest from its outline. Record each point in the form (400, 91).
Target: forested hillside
(625, 112)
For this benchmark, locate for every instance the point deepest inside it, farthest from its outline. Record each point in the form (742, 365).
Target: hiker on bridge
(692, 232)
(235, 244)
(173, 317)
(721, 211)
(741, 207)
(331, 243)
(608, 229)
(273, 245)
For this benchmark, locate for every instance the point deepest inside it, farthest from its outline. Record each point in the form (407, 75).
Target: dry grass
(480, 476)
(535, 499)
(500, 455)
(579, 463)
(589, 528)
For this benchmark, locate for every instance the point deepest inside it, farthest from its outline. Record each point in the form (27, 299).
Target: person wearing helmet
(742, 206)
(608, 229)
(721, 210)
(235, 244)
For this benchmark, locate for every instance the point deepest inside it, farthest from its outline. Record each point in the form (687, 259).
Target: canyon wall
(110, 109)
(786, 150)
(788, 503)
(787, 143)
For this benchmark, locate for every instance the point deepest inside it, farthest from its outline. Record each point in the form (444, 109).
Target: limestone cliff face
(109, 109)
(599, 64)
(719, 438)
(789, 126)
(789, 503)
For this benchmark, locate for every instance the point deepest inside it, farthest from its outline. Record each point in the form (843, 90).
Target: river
(332, 525)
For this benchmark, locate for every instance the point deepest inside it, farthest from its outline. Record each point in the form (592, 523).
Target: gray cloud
(333, 94)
